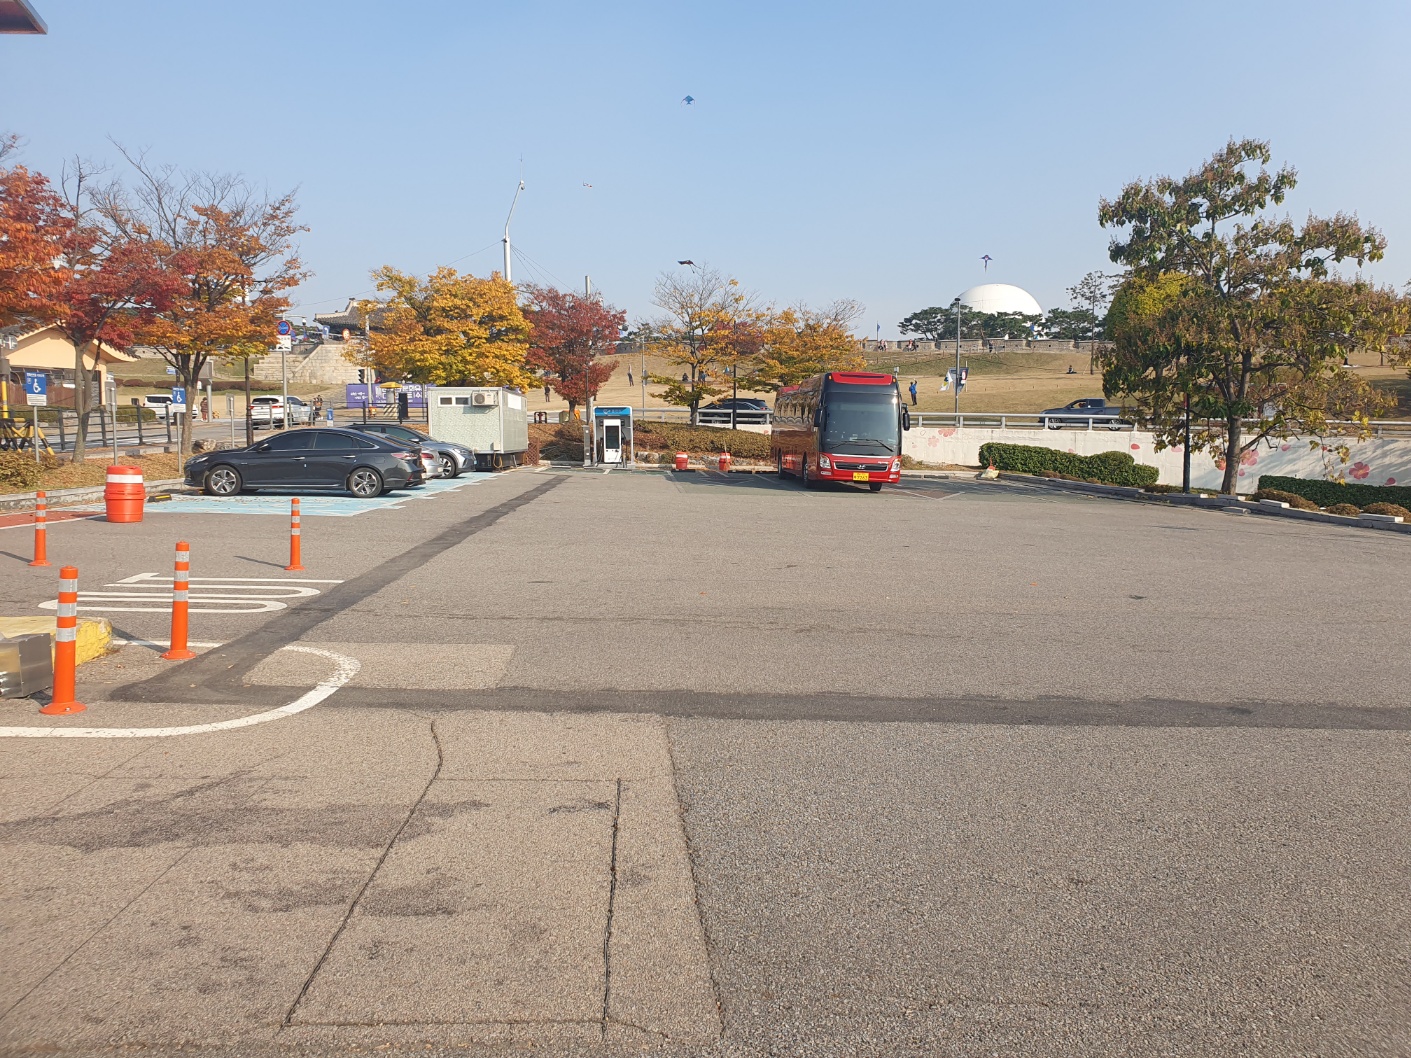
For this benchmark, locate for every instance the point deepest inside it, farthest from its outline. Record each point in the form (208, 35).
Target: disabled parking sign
(36, 388)
(178, 398)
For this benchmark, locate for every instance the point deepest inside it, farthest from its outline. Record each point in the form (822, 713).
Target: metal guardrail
(1030, 421)
(1021, 421)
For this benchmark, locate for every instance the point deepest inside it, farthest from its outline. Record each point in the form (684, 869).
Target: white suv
(270, 411)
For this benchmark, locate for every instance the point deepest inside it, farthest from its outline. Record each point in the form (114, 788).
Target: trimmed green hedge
(1328, 493)
(1110, 468)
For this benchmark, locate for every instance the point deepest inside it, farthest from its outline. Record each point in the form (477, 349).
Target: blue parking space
(311, 504)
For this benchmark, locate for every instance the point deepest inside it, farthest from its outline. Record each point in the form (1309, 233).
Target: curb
(94, 638)
(1227, 504)
(24, 501)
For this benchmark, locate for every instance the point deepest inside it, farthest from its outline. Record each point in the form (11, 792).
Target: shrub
(1347, 510)
(19, 471)
(1393, 509)
(1107, 468)
(1331, 493)
(1294, 500)
(1163, 489)
(702, 440)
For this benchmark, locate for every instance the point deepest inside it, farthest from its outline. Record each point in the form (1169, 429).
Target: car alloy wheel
(448, 466)
(223, 481)
(365, 483)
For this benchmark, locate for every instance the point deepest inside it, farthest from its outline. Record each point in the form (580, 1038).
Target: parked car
(272, 412)
(430, 465)
(159, 403)
(454, 459)
(1079, 412)
(309, 459)
(750, 410)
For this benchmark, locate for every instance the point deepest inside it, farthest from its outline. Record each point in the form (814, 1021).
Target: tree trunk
(1232, 456)
(80, 404)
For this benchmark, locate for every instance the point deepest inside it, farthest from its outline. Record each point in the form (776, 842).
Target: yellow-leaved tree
(448, 329)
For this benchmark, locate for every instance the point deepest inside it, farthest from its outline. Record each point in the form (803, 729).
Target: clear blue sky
(872, 151)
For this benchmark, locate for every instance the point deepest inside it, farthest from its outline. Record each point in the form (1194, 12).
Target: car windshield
(862, 420)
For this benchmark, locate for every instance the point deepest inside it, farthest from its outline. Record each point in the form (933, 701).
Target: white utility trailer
(492, 423)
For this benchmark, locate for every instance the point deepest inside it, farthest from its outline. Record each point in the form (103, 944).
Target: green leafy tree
(1092, 294)
(1261, 325)
(1074, 325)
(933, 324)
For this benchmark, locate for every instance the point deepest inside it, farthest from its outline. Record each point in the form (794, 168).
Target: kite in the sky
(987, 259)
(688, 100)
(587, 184)
(691, 263)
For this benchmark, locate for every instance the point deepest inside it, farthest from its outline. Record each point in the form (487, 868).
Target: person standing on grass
(912, 390)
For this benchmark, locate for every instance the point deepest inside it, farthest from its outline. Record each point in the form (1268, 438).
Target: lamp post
(506, 240)
(956, 380)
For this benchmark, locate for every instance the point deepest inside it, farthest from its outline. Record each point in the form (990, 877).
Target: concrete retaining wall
(1385, 461)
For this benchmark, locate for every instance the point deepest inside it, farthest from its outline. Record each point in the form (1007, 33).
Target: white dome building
(1000, 297)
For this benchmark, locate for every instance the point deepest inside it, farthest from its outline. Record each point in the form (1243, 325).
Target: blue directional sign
(285, 327)
(178, 398)
(36, 387)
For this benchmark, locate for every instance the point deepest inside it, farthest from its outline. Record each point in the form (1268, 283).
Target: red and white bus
(840, 426)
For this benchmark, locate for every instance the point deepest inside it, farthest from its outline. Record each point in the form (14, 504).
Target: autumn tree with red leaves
(34, 224)
(230, 254)
(568, 335)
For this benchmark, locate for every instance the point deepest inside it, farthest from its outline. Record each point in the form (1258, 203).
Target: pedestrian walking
(205, 410)
(912, 390)
(318, 408)
(629, 376)
(546, 393)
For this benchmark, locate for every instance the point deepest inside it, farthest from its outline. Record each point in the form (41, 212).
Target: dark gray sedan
(364, 465)
(454, 458)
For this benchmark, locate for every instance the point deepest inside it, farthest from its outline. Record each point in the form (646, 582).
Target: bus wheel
(875, 486)
(779, 466)
(808, 482)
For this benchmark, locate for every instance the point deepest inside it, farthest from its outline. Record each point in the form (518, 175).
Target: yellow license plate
(860, 475)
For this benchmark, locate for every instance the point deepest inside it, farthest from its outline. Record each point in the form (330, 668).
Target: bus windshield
(862, 420)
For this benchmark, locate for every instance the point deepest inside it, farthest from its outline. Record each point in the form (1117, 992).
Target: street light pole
(956, 380)
(507, 229)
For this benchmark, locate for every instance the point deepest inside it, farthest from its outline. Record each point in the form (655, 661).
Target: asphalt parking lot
(689, 763)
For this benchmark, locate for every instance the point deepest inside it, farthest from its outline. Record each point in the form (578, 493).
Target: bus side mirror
(905, 418)
(818, 416)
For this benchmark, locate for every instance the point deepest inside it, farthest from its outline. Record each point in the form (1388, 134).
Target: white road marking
(347, 669)
(255, 594)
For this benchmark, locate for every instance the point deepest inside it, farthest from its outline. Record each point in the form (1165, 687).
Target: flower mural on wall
(1359, 471)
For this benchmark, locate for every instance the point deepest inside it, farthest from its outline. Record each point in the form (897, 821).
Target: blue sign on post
(36, 388)
(178, 398)
(285, 327)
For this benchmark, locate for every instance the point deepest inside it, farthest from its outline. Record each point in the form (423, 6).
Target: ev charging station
(612, 436)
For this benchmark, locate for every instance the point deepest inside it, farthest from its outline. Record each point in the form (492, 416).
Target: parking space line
(242, 595)
(347, 669)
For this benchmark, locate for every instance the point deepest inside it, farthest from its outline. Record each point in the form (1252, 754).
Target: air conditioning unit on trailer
(493, 423)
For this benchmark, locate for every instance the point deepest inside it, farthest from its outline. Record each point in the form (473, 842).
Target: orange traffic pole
(295, 565)
(41, 533)
(66, 648)
(180, 588)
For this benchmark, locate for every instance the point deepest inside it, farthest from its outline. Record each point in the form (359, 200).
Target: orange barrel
(725, 462)
(681, 460)
(124, 494)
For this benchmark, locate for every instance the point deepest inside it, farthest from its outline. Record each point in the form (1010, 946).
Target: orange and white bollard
(180, 590)
(41, 533)
(725, 462)
(66, 648)
(295, 564)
